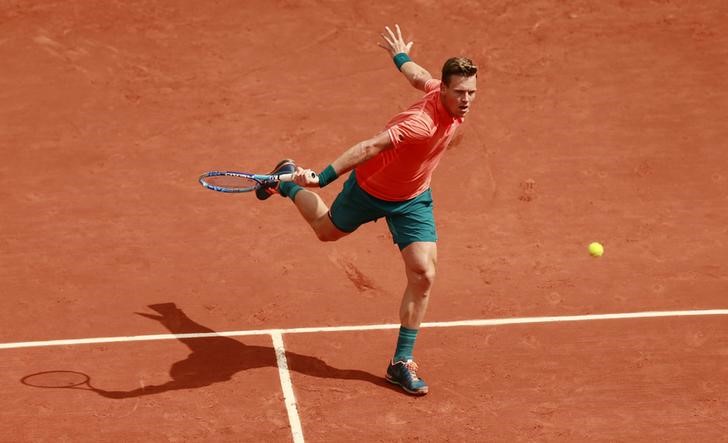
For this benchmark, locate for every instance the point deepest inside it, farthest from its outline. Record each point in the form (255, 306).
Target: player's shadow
(217, 359)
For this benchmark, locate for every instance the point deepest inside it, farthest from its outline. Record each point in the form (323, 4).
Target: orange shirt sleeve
(413, 129)
(432, 84)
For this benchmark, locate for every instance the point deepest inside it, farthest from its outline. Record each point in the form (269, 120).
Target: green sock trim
(288, 189)
(295, 189)
(405, 344)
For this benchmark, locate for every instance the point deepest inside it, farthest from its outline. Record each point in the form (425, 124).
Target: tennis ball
(596, 249)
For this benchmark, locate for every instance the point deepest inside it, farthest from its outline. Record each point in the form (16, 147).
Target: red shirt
(419, 136)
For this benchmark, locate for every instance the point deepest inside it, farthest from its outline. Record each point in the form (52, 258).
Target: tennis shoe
(267, 189)
(404, 374)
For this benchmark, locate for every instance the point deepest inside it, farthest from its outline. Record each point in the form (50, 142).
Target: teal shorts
(409, 221)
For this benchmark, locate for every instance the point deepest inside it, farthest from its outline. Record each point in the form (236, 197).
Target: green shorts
(409, 221)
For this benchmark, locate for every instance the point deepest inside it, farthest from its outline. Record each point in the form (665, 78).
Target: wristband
(401, 59)
(327, 176)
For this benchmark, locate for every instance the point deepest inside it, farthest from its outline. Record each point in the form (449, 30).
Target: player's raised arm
(399, 50)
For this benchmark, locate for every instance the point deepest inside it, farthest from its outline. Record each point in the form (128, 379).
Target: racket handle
(289, 177)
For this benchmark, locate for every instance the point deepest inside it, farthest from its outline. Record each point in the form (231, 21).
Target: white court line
(448, 324)
(287, 385)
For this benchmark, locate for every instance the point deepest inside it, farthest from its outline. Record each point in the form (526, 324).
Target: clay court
(205, 317)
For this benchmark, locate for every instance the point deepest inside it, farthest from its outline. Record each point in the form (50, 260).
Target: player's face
(458, 97)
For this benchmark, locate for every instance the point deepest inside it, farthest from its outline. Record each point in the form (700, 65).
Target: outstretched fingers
(395, 43)
(388, 46)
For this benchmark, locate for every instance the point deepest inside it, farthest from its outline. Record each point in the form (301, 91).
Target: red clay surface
(593, 123)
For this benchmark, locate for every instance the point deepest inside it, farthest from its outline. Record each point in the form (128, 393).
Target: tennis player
(390, 178)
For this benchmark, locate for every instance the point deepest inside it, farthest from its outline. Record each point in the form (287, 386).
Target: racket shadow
(217, 359)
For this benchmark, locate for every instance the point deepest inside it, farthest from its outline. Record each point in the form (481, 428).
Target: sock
(289, 189)
(405, 344)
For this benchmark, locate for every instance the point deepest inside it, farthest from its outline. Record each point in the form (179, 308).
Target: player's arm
(348, 160)
(415, 74)
(361, 152)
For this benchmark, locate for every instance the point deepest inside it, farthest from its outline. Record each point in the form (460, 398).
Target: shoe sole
(409, 391)
(263, 194)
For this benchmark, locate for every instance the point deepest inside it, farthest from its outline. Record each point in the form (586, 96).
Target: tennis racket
(59, 380)
(231, 181)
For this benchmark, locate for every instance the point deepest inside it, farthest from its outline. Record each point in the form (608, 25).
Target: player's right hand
(305, 177)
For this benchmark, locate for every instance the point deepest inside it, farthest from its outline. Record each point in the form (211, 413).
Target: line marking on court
(447, 324)
(287, 385)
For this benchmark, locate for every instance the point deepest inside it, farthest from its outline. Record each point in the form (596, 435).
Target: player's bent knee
(326, 231)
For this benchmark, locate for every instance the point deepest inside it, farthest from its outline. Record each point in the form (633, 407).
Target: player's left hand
(395, 44)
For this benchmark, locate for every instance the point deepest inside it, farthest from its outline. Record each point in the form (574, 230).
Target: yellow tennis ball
(596, 249)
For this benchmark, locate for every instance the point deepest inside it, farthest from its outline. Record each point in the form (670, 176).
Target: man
(390, 178)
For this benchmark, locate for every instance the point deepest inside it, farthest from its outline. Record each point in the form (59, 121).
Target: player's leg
(413, 229)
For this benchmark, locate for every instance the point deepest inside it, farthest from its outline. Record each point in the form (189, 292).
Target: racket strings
(231, 181)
